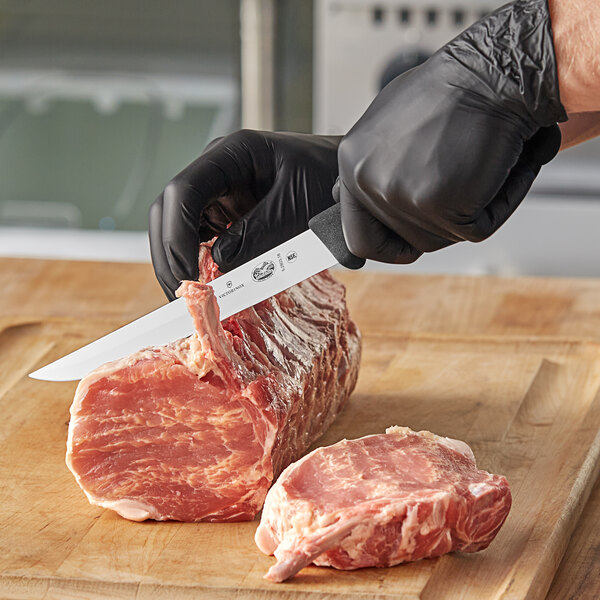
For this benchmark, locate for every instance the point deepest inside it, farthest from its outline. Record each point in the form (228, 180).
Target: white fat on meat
(378, 501)
(197, 430)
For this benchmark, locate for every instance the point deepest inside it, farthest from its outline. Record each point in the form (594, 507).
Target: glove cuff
(512, 51)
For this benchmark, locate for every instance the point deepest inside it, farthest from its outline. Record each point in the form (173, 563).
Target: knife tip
(39, 375)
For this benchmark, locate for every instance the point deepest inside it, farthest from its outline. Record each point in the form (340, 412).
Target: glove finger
(369, 238)
(335, 191)
(537, 151)
(160, 263)
(503, 205)
(283, 213)
(185, 200)
(229, 178)
(205, 197)
(542, 147)
(413, 234)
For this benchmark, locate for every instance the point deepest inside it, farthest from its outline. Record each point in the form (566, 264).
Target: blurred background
(101, 103)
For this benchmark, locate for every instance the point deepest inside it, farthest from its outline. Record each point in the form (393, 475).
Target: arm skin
(575, 26)
(580, 128)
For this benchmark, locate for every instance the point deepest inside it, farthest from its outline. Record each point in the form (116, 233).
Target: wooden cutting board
(529, 407)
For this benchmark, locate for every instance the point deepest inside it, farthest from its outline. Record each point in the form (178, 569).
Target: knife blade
(316, 249)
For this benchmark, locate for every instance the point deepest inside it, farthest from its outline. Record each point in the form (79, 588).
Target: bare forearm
(579, 128)
(575, 26)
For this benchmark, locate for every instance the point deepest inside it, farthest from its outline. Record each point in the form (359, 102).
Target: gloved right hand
(448, 150)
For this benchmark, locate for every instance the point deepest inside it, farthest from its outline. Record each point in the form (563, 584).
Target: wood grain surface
(454, 355)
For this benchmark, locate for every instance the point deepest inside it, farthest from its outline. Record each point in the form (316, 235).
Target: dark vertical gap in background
(293, 65)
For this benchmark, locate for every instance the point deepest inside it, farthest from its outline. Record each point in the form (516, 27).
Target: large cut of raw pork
(198, 429)
(378, 501)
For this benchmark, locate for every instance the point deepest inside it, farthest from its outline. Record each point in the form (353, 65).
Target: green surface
(70, 165)
(72, 154)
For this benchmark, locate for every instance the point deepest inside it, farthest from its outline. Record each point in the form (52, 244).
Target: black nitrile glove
(448, 150)
(267, 184)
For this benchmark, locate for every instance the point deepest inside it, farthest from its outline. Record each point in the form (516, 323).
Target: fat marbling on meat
(378, 501)
(198, 429)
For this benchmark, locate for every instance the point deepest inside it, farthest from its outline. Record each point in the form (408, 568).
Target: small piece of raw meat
(378, 501)
(198, 429)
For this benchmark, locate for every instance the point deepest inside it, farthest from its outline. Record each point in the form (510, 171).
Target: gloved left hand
(268, 185)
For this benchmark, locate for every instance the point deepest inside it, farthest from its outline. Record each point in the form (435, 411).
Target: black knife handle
(328, 228)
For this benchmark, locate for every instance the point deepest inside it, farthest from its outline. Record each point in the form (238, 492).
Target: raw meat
(378, 501)
(198, 429)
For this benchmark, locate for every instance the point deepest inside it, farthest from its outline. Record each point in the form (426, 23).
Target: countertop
(540, 308)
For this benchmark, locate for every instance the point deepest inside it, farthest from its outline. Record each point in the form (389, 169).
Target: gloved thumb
(240, 243)
(227, 245)
(283, 213)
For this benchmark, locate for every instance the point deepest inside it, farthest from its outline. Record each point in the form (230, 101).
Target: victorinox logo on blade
(263, 271)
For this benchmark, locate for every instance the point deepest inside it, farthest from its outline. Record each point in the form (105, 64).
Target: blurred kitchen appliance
(361, 44)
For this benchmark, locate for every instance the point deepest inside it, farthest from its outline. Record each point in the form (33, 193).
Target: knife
(316, 249)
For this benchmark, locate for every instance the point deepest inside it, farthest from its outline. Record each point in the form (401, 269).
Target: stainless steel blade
(272, 272)
(161, 326)
(267, 275)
